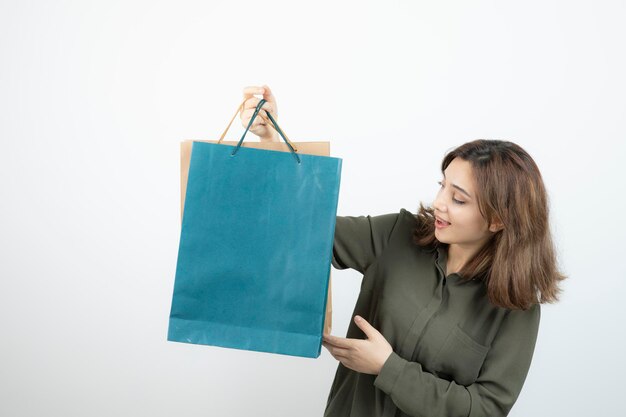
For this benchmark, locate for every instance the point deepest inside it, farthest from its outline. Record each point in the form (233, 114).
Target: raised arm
(360, 240)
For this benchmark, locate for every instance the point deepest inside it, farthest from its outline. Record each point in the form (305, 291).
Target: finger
(348, 364)
(251, 103)
(260, 120)
(367, 328)
(267, 95)
(265, 121)
(247, 115)
(266, 107)
(336, 351)
(329, 349)
(250, 91)
(340, 356)
(338, 341)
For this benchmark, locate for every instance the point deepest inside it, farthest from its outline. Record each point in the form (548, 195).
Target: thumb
(367, 328)
(267, 93)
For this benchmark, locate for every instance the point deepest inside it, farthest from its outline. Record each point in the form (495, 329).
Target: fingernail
(357, 318)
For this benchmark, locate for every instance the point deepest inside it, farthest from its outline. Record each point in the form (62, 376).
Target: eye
(453, 199)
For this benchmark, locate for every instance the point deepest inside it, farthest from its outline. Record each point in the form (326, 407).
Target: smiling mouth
(442, 222)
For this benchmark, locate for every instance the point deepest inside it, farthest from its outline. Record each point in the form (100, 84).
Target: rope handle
(273, 124)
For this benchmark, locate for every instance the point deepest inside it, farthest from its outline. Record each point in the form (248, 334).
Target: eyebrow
(458, 188)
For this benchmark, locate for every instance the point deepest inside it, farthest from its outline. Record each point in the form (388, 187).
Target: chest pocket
(460, 358)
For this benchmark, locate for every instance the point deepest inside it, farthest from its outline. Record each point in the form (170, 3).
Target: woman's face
(456, 203)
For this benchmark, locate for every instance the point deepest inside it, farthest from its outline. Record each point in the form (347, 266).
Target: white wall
(96, 95)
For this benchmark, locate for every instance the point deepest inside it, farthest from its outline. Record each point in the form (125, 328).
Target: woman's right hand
(262, 126)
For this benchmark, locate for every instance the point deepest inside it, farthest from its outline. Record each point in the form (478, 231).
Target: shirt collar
(442, 261)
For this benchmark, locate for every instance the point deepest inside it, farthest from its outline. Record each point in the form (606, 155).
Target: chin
(441, 239)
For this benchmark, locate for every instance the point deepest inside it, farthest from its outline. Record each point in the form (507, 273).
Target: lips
(442, 221)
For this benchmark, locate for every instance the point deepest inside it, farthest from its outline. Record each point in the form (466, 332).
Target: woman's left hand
(367, 356)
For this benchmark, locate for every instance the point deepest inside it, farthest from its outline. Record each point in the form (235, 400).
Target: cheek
(477, 224)
(468, 220)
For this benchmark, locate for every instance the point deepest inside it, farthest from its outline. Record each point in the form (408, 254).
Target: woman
(448, 313)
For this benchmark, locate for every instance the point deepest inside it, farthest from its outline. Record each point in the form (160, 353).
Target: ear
(496, 226)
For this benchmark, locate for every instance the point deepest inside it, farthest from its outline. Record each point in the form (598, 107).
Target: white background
(96, 96)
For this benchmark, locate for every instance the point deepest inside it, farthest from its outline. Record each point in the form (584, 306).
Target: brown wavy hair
(518, 264)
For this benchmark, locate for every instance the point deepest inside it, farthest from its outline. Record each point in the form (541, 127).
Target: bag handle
(292, 147)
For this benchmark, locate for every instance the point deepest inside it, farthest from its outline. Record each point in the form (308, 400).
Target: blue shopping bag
(255, 248)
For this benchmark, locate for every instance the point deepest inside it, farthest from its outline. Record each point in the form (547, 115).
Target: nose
(438, 204)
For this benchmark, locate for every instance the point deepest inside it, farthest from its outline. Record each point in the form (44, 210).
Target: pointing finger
(367, 328)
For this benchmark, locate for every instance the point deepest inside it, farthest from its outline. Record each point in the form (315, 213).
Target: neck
(458, 256)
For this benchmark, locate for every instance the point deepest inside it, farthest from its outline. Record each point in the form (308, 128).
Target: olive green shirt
(454, 353)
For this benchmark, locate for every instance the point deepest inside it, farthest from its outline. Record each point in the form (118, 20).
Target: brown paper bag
(310, 148)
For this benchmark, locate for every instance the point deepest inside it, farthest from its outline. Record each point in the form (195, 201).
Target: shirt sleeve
(420, 393)
(360, 240)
